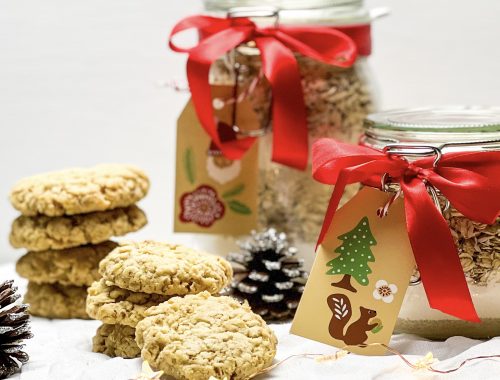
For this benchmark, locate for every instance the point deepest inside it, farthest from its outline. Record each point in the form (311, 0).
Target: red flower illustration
(202, 206)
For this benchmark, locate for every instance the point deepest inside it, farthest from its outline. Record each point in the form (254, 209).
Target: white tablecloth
(61, 350)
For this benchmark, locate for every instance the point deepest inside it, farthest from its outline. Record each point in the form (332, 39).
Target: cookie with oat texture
(39, 233)
(73, 266)
(116, 340)
(199, 336)
(113, 305)
(164, 268)
(79, 190)
(56, 301)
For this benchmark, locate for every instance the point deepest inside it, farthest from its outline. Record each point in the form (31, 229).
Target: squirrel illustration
(356, 332)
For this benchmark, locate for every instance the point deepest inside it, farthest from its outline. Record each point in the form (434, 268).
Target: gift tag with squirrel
(214, 194)
(359, 277)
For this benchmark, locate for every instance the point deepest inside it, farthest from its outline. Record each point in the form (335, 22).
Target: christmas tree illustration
(355, 253)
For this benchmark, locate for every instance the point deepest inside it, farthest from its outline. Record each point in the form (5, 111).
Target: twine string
(244, 94)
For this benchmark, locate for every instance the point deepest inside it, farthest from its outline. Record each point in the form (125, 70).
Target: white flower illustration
(222, 170)
(384, 291)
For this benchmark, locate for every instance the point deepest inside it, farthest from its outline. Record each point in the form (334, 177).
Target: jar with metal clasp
(434, 131)
(337, 101)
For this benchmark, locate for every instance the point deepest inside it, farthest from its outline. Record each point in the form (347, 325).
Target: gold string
(273, 366)
(429, 367)
(343, 352)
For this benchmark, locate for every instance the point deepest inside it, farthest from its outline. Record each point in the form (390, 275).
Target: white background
(81, 82)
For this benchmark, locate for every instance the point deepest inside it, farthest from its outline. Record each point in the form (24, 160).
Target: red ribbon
(277, 46)
(469, 180)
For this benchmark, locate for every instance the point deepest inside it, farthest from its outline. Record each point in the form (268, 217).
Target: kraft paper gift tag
(212, 193)
(359, 277)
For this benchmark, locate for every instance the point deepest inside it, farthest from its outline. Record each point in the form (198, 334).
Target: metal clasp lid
(419, 150)
(416, 150)
(258, 12)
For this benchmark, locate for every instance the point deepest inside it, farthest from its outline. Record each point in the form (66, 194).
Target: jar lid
(281, 4)
(304, 12)
(444, 119)
(472, 125)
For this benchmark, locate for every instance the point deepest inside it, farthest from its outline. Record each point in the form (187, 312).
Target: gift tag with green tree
(357, 283)
(355, 253)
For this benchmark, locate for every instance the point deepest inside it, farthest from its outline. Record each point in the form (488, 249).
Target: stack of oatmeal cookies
(139, 275)
(67, 220)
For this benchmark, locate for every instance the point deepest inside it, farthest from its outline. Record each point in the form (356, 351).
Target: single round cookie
(199, 336)
(163, 268)
(39, 233)
(73, 266)
(116, 340)
(114, 305)
(56, 301)
(80, 190)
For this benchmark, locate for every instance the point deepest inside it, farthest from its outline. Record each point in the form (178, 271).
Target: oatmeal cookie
(163, 268)
(56, 301)
(114, 305)
(38, 233)
(80, 190)
(116, 340)
(73, 266)
(199, 336)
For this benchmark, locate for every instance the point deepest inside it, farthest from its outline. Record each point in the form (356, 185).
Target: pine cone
(268, 275)
(14, 327)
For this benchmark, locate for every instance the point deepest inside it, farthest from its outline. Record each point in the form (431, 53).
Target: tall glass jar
(337, 101)
(453, 129)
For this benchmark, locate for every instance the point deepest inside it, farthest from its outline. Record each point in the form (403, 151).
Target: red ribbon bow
(469, 180)
(277, 46)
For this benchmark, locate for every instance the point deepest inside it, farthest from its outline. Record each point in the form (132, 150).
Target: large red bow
(277, 46)
(469, 180)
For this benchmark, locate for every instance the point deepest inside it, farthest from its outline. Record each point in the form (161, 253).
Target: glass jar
(337, 101)
(461, 129)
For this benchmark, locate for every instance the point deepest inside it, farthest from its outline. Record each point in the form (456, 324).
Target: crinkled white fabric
(61, 350)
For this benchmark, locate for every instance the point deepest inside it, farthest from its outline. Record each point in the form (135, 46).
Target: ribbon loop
(277, 46)
(470, 181)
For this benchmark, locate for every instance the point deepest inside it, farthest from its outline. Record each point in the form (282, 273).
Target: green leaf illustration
(239, 207)
(189, 165)
(377, 328)
(234, 191)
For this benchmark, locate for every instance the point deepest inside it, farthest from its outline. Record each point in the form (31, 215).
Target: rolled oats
(478, 247)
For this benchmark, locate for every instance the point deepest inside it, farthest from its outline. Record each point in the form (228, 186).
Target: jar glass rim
(303, 12)
(458, 127)
(281, 4)
(458, 119)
